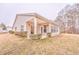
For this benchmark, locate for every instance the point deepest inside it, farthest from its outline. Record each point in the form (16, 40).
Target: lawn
(11, 44)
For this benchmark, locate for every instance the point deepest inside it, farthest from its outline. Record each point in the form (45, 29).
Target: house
(34, 23)
(8, 28)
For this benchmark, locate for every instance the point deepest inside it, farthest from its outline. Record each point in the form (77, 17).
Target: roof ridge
(38, 16)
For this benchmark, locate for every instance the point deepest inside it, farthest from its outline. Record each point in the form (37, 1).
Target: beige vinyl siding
(20, 21)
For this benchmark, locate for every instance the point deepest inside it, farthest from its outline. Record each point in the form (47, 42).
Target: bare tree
(68, 17)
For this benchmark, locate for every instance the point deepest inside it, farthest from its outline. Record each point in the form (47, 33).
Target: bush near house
(40, 36)
(36, 36)
(12, 32)
(49, 34)
(22, 34)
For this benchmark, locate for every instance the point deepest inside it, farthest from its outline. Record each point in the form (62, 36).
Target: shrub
(22, 34)
(12, 32)
(39, 36)
(49, 34)
(35, 36)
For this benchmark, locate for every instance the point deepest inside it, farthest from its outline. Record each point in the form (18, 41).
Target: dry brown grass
(62, 44)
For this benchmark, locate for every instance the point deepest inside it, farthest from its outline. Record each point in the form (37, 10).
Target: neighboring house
(5, 30)
(33, 23)
(8, 28)
(68, 18)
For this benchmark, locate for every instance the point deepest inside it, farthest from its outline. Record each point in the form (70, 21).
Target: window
(41, 29)
(22, 28)
(45, 29)
(54, 29)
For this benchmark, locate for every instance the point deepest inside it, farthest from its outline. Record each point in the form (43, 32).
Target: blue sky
(8, 11)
